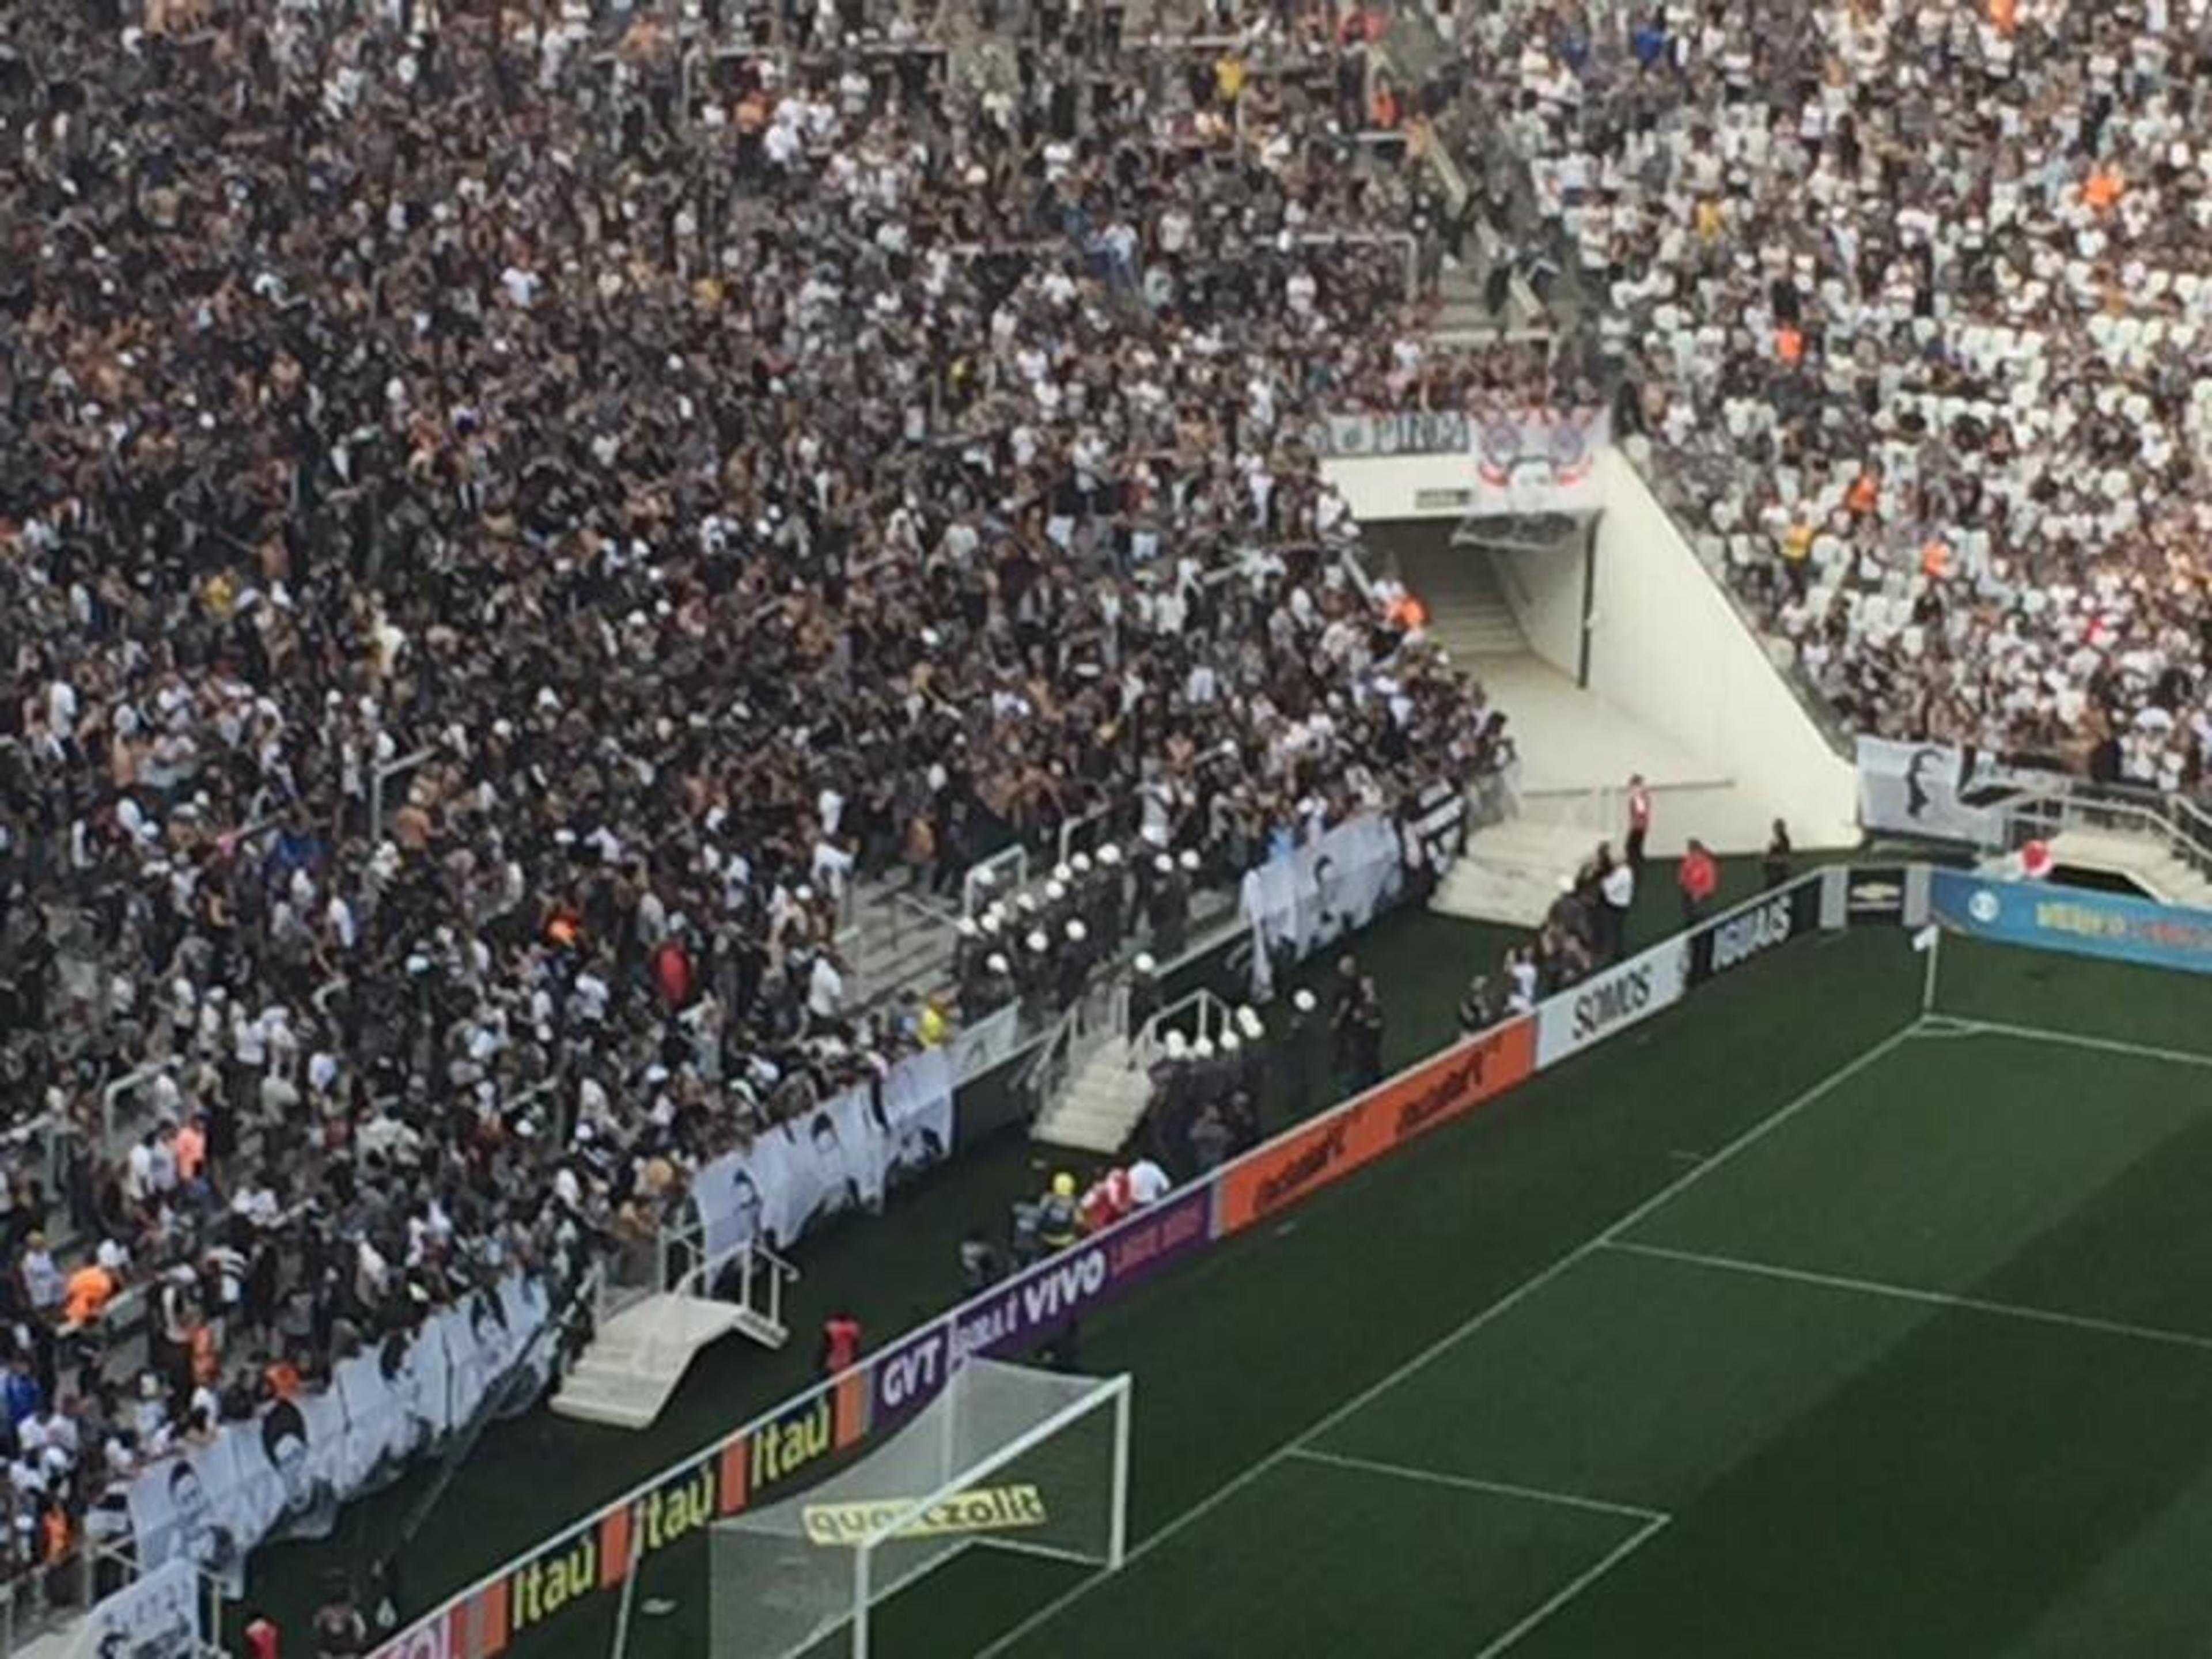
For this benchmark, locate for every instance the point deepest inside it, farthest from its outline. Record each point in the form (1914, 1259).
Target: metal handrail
(2045, 811)
(1214, 1017)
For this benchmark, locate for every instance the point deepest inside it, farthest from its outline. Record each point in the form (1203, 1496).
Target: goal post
(1007, 1459)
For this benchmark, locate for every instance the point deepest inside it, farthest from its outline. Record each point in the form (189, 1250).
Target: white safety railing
(2044, 811)
(1097, 1017)
(756, 1288)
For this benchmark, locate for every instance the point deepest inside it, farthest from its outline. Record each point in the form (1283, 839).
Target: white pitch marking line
(1471, 1482)
(1512, 1298)
(1947, 1025)
(1576, 1585)
(2159, 1334)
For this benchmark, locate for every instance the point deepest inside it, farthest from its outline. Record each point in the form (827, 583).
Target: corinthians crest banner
(1489, 461)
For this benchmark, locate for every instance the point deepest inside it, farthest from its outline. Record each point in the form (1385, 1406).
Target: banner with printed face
(155, 1617)
(362, 1384)
(196, 1507)
(295, 1457)
(1305, 900)
(839, 1159)
(917, 1117)
(286, 1473)
(1937, 792)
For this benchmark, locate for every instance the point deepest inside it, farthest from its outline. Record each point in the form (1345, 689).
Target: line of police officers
(1041, 945)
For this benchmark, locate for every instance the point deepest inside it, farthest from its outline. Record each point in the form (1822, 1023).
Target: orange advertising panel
(1385, 1118)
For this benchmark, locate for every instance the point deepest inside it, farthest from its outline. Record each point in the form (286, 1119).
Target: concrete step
(1511, 872)
(1514, 895)
(2144, 858)
(638, 1358)
(1100, 1106)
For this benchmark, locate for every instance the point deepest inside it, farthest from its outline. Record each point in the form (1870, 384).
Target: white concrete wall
(1667, 646)
(1545, 591)
(1404, 486)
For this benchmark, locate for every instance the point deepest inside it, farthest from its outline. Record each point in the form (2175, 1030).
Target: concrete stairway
(639, 1355)
(2142, 856)
(1100, 1105)
(1468, 614)
(1511, 872)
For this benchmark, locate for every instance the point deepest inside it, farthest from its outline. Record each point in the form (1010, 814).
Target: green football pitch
(1801, 1320)
(1830, 1324)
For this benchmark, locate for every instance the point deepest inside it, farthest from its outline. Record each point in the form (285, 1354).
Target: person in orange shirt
(1865, 493)
(91, 1288)
(1699, 878)
(2102, 189)
(282, 1378)
(1788, 345)
(191, 1150)
(207, 1356)
(1935, 560)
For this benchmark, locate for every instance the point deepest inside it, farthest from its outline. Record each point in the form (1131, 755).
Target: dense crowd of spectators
(507, 517)
(1912, 305)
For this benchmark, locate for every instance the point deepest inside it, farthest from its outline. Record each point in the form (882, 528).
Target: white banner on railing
(285, 1472)
(1305, 900)
(1486, 463)
(1936, 790)
(987, 1042)
(841, 1157)
(1417, 432)
(156, 1616)
(1434, 836)
(1539, 460)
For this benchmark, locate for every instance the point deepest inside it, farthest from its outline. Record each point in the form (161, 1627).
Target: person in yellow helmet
(1060, 1216)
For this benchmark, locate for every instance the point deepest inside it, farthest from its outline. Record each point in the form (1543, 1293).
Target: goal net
(1006, 1458)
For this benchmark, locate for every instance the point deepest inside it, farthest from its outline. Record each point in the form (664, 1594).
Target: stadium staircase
(2161, 845)
(640, 1353)
(1096, 1091)
(1102, 1103)
(1468, 614)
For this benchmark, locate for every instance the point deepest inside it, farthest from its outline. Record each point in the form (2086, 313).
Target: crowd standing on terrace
(1913, 306)
(507, 516)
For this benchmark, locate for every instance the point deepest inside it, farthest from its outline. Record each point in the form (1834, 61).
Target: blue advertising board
(2076, 919)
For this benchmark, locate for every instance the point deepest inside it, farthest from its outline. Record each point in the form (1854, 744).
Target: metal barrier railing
(2043, 813)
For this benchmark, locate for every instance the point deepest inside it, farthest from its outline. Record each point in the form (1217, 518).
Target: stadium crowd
(500, 533)
(1912, 304)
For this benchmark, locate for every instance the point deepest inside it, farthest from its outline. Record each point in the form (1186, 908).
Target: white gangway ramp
(640, 1353)
(1006, 1458)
